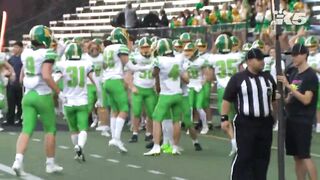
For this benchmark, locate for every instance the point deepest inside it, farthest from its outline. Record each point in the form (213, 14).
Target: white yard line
(36, 140)
(64, 147)
(96, 156)
(113, 160)
(28, 176)
(156, 172)
(133, 166)
(178, 178)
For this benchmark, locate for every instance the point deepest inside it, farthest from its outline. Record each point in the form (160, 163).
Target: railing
(209, 33)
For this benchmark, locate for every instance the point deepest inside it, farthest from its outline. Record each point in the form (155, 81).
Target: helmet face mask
(145, 51)
(145, 47)
(189, 50)
(201, 45)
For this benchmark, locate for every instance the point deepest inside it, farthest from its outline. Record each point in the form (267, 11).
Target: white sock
(148, 133)
(113, 121)
(203, 117)
(94, 116)
(74, 139)
(194, 141)
(19, 157)
(119, 125)
(82, 138)
(135, 133)
(164, 133)
(169, 128)
(318, 125)
(50, 160)
(156, 146)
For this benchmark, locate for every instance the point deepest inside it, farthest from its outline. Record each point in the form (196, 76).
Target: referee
(251, 91)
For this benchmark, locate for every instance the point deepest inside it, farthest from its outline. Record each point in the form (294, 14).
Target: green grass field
(106, 163)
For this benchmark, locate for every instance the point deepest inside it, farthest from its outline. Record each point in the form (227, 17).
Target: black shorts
(298, 139)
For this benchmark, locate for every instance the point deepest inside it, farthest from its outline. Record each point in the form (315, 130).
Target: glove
(62, 98)
(233, 147)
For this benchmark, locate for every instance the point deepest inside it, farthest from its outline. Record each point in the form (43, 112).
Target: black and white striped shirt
(251, 94)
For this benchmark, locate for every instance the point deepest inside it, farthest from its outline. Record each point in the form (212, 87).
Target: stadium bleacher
(97, 16)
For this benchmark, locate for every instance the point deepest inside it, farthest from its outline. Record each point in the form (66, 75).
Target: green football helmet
(97, 41)
(185, 37)
(154, 39)
(119, 36)
(164, 47)
(189, 46)
(41, 34)
(246, 47)
(177, 43)
(77, 40)
(235, 41)
(311, 41)
(73, 51)
(201, 42)
(258, 44)
(223, 43)
(145, 42)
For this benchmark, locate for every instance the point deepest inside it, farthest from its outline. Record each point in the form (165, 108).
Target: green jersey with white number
(111, 59)
(314, 62)
(225, 65)
(75, 81)
(32, 61)
(170, 69)
(142, 79)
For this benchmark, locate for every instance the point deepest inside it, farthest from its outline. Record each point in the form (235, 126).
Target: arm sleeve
(123, 50)
(50, 56)
(230, 93)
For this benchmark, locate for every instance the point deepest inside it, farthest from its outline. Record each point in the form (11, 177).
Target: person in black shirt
(252, 92)
(14, 88)
(301, 104)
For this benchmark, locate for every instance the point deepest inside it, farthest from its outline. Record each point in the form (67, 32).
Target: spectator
(301, 104)
(14, 88)
(131, 20)
(151, 20)
(182, 19)
(164, 22)
(187, 17)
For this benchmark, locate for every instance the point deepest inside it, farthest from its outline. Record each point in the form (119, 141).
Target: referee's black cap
(255, 53)
(299, 49)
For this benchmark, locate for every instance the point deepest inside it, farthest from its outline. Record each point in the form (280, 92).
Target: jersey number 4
(30, 66)
(174, 72)
(76, 76)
